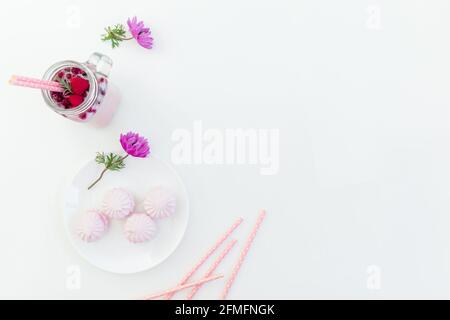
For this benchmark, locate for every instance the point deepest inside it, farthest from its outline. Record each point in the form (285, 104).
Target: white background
(362, 103)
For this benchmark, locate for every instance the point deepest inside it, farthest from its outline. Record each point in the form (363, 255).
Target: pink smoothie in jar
(88, 97)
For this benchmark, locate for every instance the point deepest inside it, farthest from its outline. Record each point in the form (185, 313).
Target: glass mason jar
(100, 101)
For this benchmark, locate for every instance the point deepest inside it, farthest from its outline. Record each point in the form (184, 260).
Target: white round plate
(113, 252)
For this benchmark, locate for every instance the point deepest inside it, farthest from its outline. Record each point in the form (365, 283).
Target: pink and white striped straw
(28, 79)
(184, 286)
(36, 83)
(243, 254)
(225, 236)
(212, 268)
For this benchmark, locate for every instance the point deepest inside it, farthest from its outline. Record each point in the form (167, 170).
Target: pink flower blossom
(135, 145)
(140, 33)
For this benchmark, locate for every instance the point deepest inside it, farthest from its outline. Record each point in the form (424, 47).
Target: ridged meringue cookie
(118, 203)
(160, 203)
(92, 226)
(139, 227)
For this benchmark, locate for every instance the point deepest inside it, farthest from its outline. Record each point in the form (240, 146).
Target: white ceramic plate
(113, 252)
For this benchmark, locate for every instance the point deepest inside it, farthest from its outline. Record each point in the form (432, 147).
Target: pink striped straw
(212, 268)
(243, 254)
(28, 79)
(224, 237)
(184, 286)
(36, 83)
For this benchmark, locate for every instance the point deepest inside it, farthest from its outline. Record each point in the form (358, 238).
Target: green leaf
(114, 34)
(100, 158)
(114, 162)
(66, 86)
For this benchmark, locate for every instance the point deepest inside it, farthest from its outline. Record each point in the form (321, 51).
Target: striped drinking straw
(243, 254)
(36, 83)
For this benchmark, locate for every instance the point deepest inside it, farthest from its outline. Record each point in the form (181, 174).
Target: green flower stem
(98, 179)
(109, 167)
(116, 34)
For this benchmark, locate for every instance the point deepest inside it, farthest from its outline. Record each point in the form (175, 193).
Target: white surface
(113, 252)
(363, 112)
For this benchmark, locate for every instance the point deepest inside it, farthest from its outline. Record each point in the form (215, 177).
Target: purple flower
(135, 145)
(140, 33)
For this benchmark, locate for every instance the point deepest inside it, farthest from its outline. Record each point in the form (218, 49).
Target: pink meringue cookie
(118, 203)
(139, 227)
(92, 226)
(160, 203)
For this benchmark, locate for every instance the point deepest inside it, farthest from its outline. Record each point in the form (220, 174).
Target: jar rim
(93, 89)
